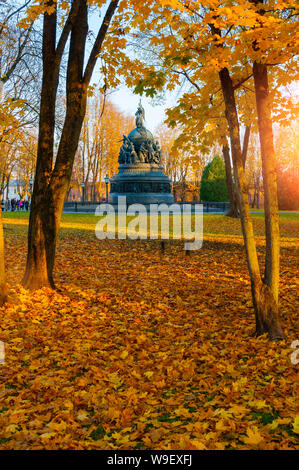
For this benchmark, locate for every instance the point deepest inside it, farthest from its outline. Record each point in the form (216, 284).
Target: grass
(212, 224)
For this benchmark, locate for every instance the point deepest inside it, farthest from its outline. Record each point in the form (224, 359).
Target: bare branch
(99, 41)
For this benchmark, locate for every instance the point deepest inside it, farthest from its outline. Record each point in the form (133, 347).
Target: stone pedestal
(142, 183)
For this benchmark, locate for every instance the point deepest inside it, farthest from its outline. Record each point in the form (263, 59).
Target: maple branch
(240, 83)
(99, 41)
(187, 7)
(183, 72)
(247, 88)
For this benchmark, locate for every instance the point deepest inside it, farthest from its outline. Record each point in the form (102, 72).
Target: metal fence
(90, 207)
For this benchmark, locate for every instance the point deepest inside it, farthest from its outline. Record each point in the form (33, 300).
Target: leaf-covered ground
(143, 350)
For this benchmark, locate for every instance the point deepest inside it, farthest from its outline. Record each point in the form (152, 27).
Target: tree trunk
(269, 166)
(258, 194)
(233, 210)
(3, 287)
(254, 197)
(36, 273)
(245, 144)
(50, 187)
(264, 302)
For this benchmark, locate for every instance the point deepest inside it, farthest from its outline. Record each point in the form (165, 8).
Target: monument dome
(140, 135)
(140, 177)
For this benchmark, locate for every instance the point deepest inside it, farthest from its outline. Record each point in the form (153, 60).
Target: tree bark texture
(3, 287)
(269, 170)
(233, 210)
(264, 300)
(51, 184)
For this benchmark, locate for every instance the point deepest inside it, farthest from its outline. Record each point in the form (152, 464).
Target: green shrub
(213, 181)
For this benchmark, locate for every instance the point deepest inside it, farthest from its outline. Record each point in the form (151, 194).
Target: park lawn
(143, 350)
(212, 224)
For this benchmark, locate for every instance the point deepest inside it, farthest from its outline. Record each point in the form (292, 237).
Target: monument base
(142, 183)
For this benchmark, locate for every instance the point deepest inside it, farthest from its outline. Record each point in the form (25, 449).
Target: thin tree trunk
(258, 193)
(233, 210)
(36, 274)
(245, 144)
(3, 287)
(269, 165)
(254, 197)
(265, 305)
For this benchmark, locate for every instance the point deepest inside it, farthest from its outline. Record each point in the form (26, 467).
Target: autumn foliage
(142, 350)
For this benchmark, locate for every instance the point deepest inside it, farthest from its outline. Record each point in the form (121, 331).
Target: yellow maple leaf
(238, 410)
(296, 425)
(254, 438)
(47, 435)
(124, 354)
(115, 379)
(148, 374)
(58, 426)
(273, 425)
(221, 426)
(82, 415)
(198, 444)
(258, 404)
(11, 428)
(68, 404)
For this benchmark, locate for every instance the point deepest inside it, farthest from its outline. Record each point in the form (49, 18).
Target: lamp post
(107, 179)
(83, 188)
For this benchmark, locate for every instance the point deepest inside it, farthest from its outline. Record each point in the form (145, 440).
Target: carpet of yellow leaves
(142, 350)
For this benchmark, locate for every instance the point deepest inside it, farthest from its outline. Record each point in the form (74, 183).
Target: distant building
(13, 189)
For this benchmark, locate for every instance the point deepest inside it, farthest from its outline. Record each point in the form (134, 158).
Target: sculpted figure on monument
(150, 152)
(140, 115)
(157, 152)
(143, 153)
(123, 151)
(131, 153)
(127, 152)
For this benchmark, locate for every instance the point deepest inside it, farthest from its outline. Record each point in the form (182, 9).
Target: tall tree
(228, 43)
(3, 287)
(52, 181)
(18, 84)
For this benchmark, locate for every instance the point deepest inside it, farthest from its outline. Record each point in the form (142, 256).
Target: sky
(128, 102)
